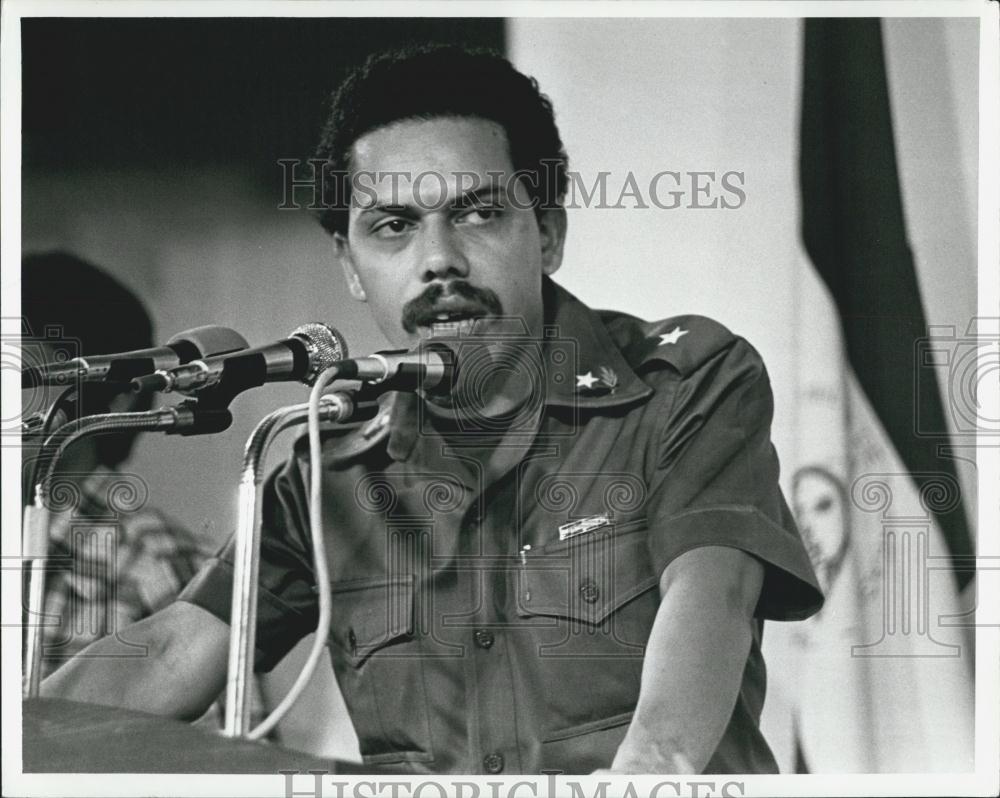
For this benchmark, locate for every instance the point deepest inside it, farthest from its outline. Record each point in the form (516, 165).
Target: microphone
(309, 350)
(124, 366)
(431, 367)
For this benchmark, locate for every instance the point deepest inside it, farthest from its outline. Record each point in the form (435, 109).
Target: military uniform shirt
(490, 612)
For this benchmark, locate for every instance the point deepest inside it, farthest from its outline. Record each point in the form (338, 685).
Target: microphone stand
(187, 418)
(339, 407)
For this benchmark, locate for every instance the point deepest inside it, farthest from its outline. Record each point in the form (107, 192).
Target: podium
(69, 737)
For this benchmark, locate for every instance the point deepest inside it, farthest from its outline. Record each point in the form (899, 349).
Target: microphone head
(324, 345)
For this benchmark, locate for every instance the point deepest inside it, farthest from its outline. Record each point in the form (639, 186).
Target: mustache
(422, 310)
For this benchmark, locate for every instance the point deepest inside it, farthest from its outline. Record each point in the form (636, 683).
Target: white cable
(319, 560)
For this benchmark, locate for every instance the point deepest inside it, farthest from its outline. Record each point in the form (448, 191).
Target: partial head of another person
(72, 308)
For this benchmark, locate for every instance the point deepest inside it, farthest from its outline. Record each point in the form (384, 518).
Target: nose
(441, 254)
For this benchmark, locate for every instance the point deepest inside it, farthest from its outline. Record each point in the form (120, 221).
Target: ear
(552, 229)
(342, 254)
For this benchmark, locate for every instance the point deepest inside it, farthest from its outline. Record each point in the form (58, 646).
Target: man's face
(439, 235)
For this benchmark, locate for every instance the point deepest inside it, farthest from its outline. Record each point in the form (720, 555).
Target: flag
(880, 681)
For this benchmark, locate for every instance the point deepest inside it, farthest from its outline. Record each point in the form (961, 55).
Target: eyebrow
(464, 200)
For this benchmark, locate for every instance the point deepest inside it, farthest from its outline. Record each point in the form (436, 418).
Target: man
(566, 564)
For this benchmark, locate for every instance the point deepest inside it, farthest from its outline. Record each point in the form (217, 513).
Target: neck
(500, 384)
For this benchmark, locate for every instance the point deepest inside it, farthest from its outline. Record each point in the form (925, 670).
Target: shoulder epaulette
(682, 342)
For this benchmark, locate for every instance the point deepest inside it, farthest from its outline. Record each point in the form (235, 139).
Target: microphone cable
(319, 556)
(343, 369)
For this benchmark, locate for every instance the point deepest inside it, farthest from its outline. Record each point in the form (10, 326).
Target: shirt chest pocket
(379, 668)
(601, 581)
(588, 604)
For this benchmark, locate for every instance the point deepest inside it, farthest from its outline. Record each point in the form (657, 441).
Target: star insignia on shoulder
(673, 336)
(586, 380)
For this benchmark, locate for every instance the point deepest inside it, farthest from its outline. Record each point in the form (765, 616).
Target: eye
(481, 214)
(391, 227)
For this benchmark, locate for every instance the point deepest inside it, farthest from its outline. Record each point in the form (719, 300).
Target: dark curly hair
(439, 81)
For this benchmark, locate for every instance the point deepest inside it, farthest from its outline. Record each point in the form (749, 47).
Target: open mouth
(449, 323)
(449, 309)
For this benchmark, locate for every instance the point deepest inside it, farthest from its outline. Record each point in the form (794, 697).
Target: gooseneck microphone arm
(309, 350)
(185, 419)
(430, 368)
(339, 406)
(205, 341)
(116, 371)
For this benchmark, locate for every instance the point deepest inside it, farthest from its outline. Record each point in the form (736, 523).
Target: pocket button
(484, 638)
(493, 763)
(589, 591)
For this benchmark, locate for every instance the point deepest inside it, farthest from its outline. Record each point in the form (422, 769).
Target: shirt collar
(597, 374)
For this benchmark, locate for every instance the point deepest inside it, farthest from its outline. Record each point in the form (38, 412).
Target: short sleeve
(287, 608)
(716, 480)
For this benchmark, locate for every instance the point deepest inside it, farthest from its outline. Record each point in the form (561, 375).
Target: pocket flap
(585, 578)
(368, 614)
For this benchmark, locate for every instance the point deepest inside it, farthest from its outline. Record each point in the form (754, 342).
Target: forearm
(181, 672)
(694, 662)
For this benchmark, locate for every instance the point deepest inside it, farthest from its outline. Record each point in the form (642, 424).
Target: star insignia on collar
(608, 380)
(673, 336)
